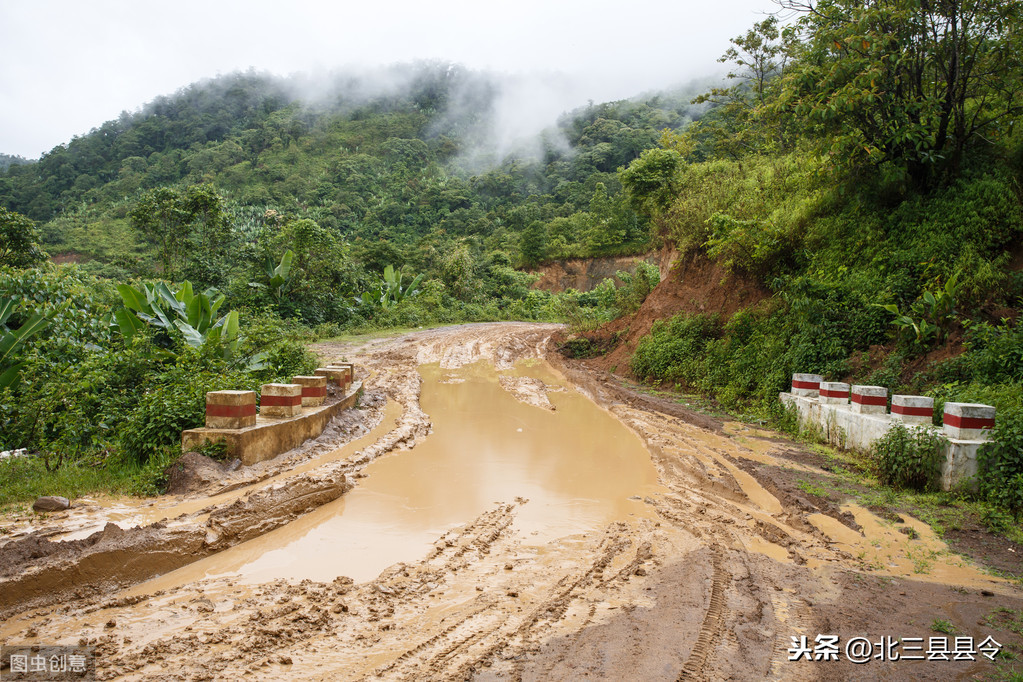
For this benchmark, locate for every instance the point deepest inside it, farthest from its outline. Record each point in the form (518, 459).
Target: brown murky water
(578, 467)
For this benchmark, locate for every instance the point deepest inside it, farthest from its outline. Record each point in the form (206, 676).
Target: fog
(66, 67)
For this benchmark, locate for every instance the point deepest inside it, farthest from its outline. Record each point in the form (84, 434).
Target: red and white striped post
(230, 409)
(333, 374)
(314, 389)
(912, 409)
(869, 399)
(281, 400)
(349, 370)
(806, 385)
(834, 393)
(968, 421)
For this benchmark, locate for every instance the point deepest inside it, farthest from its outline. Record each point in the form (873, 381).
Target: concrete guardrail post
(314, 389)
(834, 393)
(333, 374)
(912, 409)
(968, 421)
(230, 409)
(281, 400)
(869, 399)
(806, 385)
(349, 370)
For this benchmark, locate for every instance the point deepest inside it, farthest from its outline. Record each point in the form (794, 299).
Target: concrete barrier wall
(847, 426)
(269, 436)
(289, 415)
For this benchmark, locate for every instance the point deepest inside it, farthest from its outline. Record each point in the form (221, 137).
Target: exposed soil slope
(692, 285)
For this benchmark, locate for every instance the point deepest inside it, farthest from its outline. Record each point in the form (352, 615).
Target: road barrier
(289, 415)
(855, 416)
(314, 390)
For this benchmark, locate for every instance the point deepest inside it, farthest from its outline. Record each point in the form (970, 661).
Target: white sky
(68, 66)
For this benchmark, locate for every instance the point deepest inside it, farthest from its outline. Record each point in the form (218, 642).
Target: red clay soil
(583, 274)
(693, 285)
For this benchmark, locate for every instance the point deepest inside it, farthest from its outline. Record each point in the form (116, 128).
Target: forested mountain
(369, 155)
(7, 160)
(403, 166)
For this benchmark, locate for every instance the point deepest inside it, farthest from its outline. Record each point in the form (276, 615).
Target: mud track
(714, 583)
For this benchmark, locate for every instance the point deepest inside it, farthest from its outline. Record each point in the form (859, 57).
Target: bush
(1000, 463)
(909, 458)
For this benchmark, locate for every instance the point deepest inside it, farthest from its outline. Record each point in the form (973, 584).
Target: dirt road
(711, 573)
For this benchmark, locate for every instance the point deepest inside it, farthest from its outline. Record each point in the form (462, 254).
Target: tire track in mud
(713, 621)
(489, 629)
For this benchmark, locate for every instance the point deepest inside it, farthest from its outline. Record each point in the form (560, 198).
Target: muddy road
(491, 512)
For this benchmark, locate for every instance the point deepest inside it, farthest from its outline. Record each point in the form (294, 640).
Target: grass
(943, 626)
(25, 478)
(1004, 618)
(811, 488)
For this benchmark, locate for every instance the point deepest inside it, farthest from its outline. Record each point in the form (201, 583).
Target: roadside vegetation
(890, 242)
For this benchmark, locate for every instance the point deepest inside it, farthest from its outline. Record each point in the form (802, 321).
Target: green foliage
(909, 457)
(1000, 462)
(747, 245)
(931, 316)
(995, 353)
(19, 241)
(390, 290)
(650, 180)
(744, 122)
(900, 82)
(176, 403)
(12, 340)
(194, 219)
(193, 317)
(279, 276)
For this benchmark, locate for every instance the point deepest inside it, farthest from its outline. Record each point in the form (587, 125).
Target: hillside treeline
(866, 171)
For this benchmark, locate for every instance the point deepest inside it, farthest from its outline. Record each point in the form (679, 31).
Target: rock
(191, 473)
(51, 503)
(233, 466)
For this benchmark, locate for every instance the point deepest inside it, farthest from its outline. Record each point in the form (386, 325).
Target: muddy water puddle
(572, 469)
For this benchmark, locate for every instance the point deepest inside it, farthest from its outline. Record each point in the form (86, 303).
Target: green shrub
(908, 458)
(1000, 463)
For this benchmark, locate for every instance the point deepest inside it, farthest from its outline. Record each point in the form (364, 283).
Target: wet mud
(494, 512)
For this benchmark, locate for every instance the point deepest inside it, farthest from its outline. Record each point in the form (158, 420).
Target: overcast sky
(68, 66)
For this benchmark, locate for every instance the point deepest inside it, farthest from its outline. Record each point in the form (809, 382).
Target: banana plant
(279, 276)
(389, 291)
(12, 340)
(194, 315)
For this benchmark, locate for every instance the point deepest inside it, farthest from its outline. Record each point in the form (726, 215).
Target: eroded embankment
(725, 565)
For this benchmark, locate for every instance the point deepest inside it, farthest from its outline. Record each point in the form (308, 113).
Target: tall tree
(917, 83)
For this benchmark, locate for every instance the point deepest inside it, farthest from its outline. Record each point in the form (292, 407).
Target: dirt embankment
(583, 274)
(732, 560)
(693, 284)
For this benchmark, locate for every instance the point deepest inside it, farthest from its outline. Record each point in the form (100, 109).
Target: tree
(744, 123)
(915, 83)
(191, 221)
(19, 238)
(533, 243)
(160, 218)
(650, 180)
